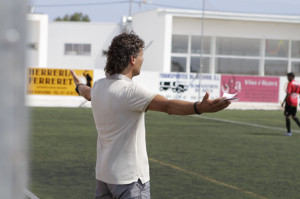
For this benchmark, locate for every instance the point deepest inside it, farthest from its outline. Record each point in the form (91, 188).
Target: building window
(237, 56)
(195, 64)
(237, 46)
(276, 57)
(295, 49)
(229, 55)
(237, 66)
(179, 44)
(179, 53)
(178, 64)
(276, 48)
(276, 67)
(186, 53)
(77, 49)
(196, 45)
(296, 68)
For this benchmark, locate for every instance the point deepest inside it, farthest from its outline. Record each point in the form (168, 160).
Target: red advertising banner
(251, 88)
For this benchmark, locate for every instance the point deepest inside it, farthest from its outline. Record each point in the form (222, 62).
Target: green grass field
(190, 157)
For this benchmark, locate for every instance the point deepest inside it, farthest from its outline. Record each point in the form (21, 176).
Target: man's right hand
(75, 77)
(85, 91)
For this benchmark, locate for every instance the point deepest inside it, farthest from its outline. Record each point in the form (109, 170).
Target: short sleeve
(138, 97)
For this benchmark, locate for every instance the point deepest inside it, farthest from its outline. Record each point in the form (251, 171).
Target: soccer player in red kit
(291, 102)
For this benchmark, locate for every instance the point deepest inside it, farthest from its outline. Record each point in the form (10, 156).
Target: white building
(68, 44)
(79, 44)
(232, 43)
(37, 39)
(176, 41)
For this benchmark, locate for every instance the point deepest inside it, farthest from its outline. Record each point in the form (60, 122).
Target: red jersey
(293, 89)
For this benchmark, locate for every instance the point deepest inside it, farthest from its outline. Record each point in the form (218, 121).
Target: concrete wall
(37, 40)
(237, 28)
(236, 24)
(96, 34)
(156, 29)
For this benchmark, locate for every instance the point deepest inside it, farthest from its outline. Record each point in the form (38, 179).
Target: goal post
(13, 113)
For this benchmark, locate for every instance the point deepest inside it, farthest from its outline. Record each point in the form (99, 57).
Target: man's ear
(132, 59)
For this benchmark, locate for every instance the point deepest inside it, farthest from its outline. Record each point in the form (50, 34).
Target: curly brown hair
(119, 53)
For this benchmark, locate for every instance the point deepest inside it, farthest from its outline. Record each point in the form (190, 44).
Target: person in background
(119, 106)
(291, 102)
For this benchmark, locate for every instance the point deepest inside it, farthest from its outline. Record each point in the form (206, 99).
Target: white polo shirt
(118, 106)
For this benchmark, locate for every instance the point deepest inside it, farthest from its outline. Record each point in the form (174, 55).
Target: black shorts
(290, 110)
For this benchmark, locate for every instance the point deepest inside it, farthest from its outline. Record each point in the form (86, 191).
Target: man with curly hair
(119, 106)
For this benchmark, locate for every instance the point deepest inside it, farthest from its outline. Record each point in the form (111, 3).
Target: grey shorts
(135, 190)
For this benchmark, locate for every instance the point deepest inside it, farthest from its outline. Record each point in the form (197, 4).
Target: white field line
(245, 124)
(30, 194)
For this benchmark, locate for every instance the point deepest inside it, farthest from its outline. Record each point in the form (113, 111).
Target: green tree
(78, 16)
(58, 19)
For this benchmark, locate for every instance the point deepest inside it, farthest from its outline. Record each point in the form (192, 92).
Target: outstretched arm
(84, 91)
(179, 107)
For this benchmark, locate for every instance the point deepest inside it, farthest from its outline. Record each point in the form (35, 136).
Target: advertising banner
(186, 86)
(251, 88)
(47, 81)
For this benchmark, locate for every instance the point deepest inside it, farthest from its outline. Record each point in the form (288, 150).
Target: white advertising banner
(181, 86)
